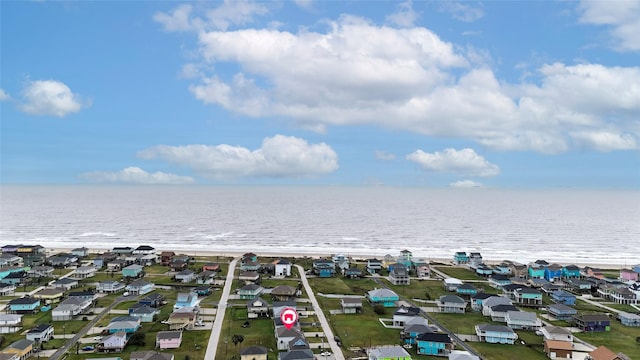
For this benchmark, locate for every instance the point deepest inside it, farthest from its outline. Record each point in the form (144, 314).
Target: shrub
(379, 309)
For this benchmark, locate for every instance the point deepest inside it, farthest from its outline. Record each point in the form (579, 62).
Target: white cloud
(383, 155)
(135, 175)
(359, 73)
(50, 97)
(463, 162)
(465, 184)
(405, 16)
(4, 96)
(605, 141)
(462, 11)
(227, 14)
(279, 156)
(621, 16)
(305, 4)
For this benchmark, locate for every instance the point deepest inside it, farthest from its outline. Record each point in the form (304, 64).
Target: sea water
(558, 225)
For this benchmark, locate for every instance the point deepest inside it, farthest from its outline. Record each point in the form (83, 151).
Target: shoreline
(298, 254)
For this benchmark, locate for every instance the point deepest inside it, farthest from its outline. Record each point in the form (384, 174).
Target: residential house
(628, 275)
(62, 260)
(399, 275)
(84, 272)
(496, 334)
(384, 297)
(250, 291)
(283, 268)
(257, 308)
(65, 283)
(451, 304)
(394, 352)
(561, 311)
(85, 295)
(254, 353)
(579, 286)
(466, 290)
(519, 270)
(558, 333)
(528, 297)
(462, 355)
(284, 336)
(413, 328)
(558, 349)
(7, 289)
(154, 300)
(498, 281)
(10, 323)
(211, 267)
(41, 333)
(279, 306)
(128, 326)
(178, 265)
(115, 342)
(550, 288)
(628, 319)
(489, 303)
(477, 299)
(249, 257)
(592, 322)
(570, 272)
(436, 344)
(10, 260)
(284, 293)
(116, 265)
(523, 320)
(23, 348)
(535, 271)
(202, 290)
(249, 262)
(70, 308)
(503, 268)
(589, 271)
(151, 355)
(185, 276)
(351, 305)
(166, 257)
(133, 271)
(324, 268)
(50, 296)
(110, 286)
(604, 353)
(374, 266)
(182, 320)
(553, 272)
(248, 276)
(144, 250)
(145, 313)
(14, 278)
(563, 297)
(352, 273)
(206, 277)
(406, 258)
(499, 312)
(475, 260)
(484, 270)
(423, 271)
(341, 262)
(25, 305)
(168, 339)
(40, 271)
(140, 287)
(80, 252)
(301, 354)
(124, 250)
(451, 284)
(460, 258)
(404, 314)
(183, 300)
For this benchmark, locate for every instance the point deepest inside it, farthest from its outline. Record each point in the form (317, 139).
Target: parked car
(97, 338)
(87, 348)
(325, 353)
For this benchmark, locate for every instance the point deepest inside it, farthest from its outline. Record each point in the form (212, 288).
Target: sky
(500, 94)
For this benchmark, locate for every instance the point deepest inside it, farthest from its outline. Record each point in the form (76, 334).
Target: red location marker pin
(289, 316)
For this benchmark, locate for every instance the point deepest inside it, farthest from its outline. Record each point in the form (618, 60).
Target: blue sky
(425, 93)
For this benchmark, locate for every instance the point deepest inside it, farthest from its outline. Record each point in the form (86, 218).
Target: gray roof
(21, 344)
(496, 328)
(390, 352)
(451, 299)
(168, 334)
(254, 350)
(382, 293)
(522, 315)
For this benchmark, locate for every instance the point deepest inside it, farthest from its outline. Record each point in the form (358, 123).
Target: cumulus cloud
(465, 184)
(621, 18)
(356, 72)
(462, 11)
(135, 175)
(227, 14)
(50, 97)
(405, 16)
(4, 96)
(462, 162)
(279, 156)
(605, 141)
(383, 155)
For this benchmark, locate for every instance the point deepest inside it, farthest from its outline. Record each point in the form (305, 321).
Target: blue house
(132, 271)
(460, 257)
(629, 319)
(143, 312)
(499, 280)
(553, 272)
(127, 324)
(467, 290)
(561, 311)
(592, 322)
(496, 334)
(483, 270)
(502, 269)
(186, 300)
(324, 268)
(25, 305)
(384, 297)
(570, 271)
(563, 297)
(434, 344)
(414, 328)
(535, 271)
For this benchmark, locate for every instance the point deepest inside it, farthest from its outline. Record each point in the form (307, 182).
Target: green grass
(459, 273)
(509, 352)
(260, 332)
(620, 338)
(340, 285)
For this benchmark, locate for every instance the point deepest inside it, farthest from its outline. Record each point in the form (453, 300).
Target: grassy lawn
(620, 338)
(260, 332)
(509, 352)
(340, 285)
(459, 273)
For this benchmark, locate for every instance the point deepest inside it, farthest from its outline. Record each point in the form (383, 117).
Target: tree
(237, 339)
(137, 339)
(379, 309)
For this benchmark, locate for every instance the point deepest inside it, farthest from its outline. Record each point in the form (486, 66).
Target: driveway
(216, 330)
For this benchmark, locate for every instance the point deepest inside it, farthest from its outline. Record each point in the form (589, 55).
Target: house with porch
(248, 276)
(113, 343)
(144, 250)
(535, 271)
(206, 277)
(592, 322)
(399, 275)
(50, 296)
(284, 336)
(460, 258)
(352, 273)
(168, 340)
(22, 348)
(324, 268)
(496, 334)
(604, 353)
(451, 284)
(435, 344)
(503, 268)
(489, 303)
(166, 257)
(186, 300)
(110, 286)
(41, 333)
(553, 272)
(451, 304)
(628, 275)
(283, 268)
(423, 271)
(475, 260)
(257, 308)
(571, 272)
(558, 349)
(629, 319)
(140, 287)
(392, 352)
(563, 297)
(145, 313)
(84, 272)
(499, 312)
(351, 305)
(498, 280)
(561, 311)
(406, 259)
(182, 320)
(70, 308)
(10, 260)
(80, 252)
(24, 305)
(254, 353)
(374, 266)
(66, 283)
(466, 290)
(250, 291)
(10, 323)
(523, 320)
(133, 271)
(413, 328)
(528, 297)
(284, 293)
(40, 271)
(129, 326)
(185, 276)
(477, 299)
(384, 297)
(404, 314)
(7, 289)
(551, 332)
(484, 270)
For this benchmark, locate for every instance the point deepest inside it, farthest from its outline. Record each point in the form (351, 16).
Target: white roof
(452, 281)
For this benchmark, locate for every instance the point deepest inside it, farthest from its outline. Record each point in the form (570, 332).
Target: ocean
(558, 225)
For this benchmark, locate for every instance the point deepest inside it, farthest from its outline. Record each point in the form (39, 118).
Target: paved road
(216, 330)
(337, 353)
